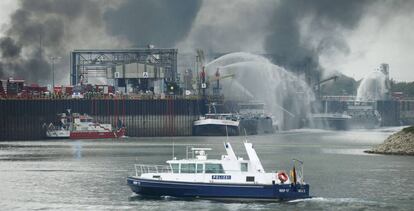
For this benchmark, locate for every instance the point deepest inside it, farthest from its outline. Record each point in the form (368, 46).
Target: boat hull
(215, 130)
(96, 134)
(148, 187)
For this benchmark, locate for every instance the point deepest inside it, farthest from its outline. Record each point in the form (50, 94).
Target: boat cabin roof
(228, 161)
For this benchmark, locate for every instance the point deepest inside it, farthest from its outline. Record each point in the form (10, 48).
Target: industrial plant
(144, 89)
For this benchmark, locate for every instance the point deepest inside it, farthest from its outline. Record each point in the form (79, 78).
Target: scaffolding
(99, 63)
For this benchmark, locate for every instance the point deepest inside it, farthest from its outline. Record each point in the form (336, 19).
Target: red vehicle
(57, 90)
(105, 89)
(68, 90)
(14, 87)
(33, 90)
(2, 92)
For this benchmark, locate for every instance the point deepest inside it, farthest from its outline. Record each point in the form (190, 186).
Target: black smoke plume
(9, 48)
(324, 20)
(158, 22)
(40, 29)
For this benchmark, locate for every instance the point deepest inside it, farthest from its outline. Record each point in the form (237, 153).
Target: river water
(91, 174)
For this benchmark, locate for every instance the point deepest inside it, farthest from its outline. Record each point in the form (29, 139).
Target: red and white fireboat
(76, 126)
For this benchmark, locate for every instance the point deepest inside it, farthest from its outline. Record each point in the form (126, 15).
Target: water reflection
(77, 149)
(49, 174)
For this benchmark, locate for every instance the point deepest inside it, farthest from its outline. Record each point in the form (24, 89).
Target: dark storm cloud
(285, 42)
(158, 22)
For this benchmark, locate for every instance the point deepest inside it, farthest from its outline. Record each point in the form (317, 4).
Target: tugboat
(216, 125)
(78, 126)
(230, 178)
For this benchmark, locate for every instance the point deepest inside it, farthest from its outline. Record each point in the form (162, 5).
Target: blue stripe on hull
(204, 190)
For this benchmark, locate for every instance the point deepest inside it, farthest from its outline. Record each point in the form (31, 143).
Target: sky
(382, 33)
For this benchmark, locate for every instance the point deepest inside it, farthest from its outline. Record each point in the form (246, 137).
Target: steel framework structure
(95, 62)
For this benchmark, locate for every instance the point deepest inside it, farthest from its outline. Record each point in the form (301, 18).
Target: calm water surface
(91, 175)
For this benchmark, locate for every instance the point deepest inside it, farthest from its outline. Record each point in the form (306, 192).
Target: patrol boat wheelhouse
(230, 177)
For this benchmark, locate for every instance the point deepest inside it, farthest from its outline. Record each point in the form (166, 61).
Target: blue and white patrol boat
(230, 177)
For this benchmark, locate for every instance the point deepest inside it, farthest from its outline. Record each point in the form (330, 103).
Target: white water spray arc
(286, 96)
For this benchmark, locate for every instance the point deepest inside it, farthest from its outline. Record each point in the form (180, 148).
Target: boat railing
(145, 168)
(298, 168)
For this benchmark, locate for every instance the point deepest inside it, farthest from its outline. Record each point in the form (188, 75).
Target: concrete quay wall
(23, 119)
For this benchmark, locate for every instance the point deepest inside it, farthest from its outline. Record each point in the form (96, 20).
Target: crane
(217, 77)
(317, 86)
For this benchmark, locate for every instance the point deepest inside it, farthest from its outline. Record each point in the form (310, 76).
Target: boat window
(214, 168)
(249, 179)
(83, 120)
(199, 168)
(175, 167)
(187, 167)
(243, 167)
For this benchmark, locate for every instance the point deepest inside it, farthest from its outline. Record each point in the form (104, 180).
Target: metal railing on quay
(95, 96)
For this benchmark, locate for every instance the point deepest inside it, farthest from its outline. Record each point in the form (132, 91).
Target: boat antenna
(173, 150)
(245, 135)
(227, 134)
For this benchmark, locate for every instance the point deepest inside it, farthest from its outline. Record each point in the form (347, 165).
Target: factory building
(138, 78)
(142, 70)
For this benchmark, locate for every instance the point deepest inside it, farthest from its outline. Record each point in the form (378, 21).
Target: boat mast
(254, 159)
(230, 152)
(173, 151)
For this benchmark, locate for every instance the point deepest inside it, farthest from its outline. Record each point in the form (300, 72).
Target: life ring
(282, 176)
